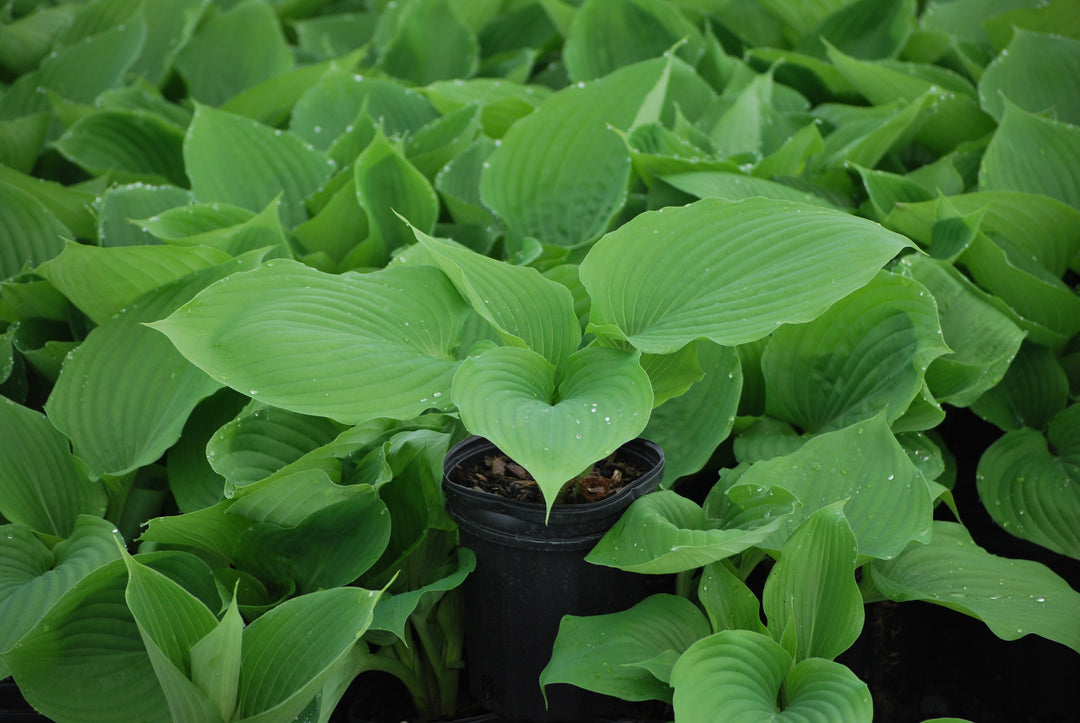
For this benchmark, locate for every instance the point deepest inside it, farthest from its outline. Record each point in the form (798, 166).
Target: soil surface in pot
(500, 475)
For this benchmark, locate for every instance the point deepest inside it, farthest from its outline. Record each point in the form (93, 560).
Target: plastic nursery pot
(528, 576)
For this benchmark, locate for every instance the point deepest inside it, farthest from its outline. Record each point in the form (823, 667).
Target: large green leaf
(31, 232)
(1033, 154)
(1033, 490)
(605, 653)
(241, 161)
(679, 537)
(554, 422)
(430, 42)
(983, 340)
(101, 281)
(41, 485)
(1013, 597)
(560, 174)
(811, 595)
(524, 307)
(739, 676)
(351, 347)
(1037, 72)
(737, 186)
(33, 577)
(71, 205)
(290, 651)
(888, 501)
(120, 205)
(133, 145)
(608, 34)
(234, 51)
(757, 264)
(124, 394)
(866, 353)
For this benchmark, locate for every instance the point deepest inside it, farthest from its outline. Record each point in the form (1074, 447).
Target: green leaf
(603, 653)
(442, 140)
(42, 486)
(888, 502)
(983, 340)
(393, 611)
(867, 353)
(758, 263)
(70, 205)
(526, 309)
(1031, 491)
(234, 51)
(864, 29)
(169, 26)
(750, 678)
(553, 422)
(33, 577)
(680, 537)
(215, 661)
(1013, 597)
(210, 529)
(502, 102)
(1032, 392)
(727, 600)
(231, 229)
(608, 34)
(78, 72)
(28, 39)
(261, 164)
(21, 140)
(121, 204)
(133, 145)
(102, 282)
(291, 650)
(737, 186)
(560, 174)
(812, 587)
(1037, 72)
(430, 42)
(689, 427)
(1033, 154)
(124, 394)
(31, 231)
(357, 363)
(390, 189)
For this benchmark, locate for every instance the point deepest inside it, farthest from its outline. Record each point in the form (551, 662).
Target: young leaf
(604, 653)
(757, 264)
(1033, 492)
(215, 661)
(553, 422)
(1013, 597)
(325, 345)
(812, 587)
(727, 600)
(751, 678)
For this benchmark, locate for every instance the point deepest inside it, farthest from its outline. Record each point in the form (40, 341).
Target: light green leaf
(526, 309)
(502, 102)
(868, 352)
(758, 264)
(983, 340)
(235, 50)
(102, 281)
(124, 394)
(32, 233)
(1013, 597)
(737, 186)
(210, 529)
(888, 502)
(442, 140)
(680, 537)
(1037, 72)
(603, 653)
(741, 676)
(120, 205)
(430, 42)
(215, 661)
(70, 205)
(133, 145)
(553, 422)
(393, 611)
(240, 161)
(1033, 492)
(1033, 154)
(727, 600)
(42, 486)
(560, 174)
(291, 650)
(33, 577)
(812, 587)
(327, 346)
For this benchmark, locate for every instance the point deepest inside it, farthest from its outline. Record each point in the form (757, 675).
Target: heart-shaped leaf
(1033, 492)
(744, 677)
(554, 422)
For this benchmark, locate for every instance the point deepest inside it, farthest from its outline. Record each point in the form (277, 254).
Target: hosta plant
(263, 261)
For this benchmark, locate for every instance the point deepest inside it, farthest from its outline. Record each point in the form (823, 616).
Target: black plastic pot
(13, 707)
(528, 576)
